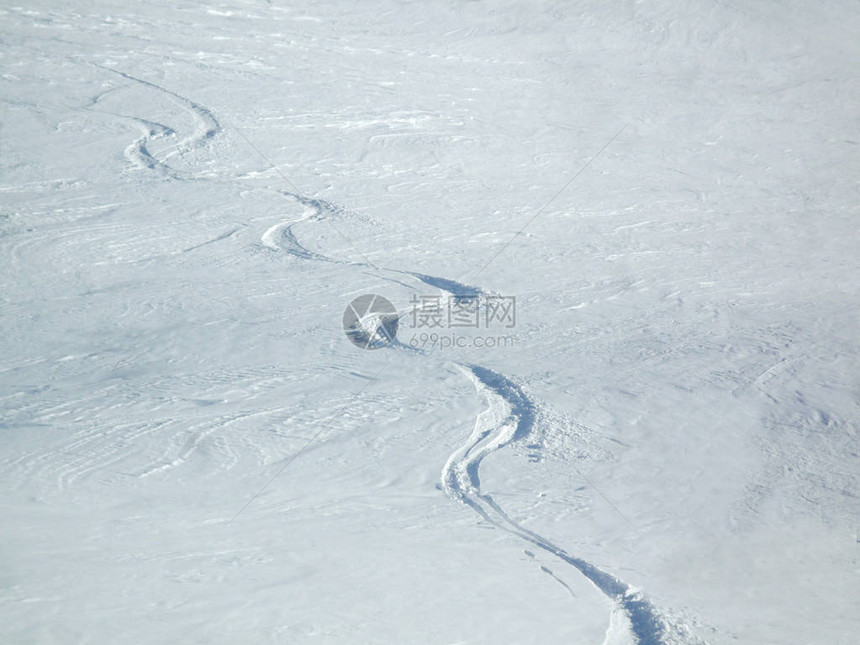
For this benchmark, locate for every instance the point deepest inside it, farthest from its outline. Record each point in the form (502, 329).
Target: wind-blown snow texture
(666, 452)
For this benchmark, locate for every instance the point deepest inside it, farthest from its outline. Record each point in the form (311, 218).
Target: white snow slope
(662, 450)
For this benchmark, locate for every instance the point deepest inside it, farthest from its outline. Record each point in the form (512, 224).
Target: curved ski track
(207, 127)
(509, 416)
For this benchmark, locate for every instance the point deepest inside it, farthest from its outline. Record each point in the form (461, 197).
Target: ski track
(207, 127)
(139, 154)
(508, 417)
(279, 237)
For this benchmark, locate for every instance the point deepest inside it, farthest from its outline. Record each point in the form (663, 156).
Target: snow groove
(138, 153)
(206, 128)
(510, 416)
(456, 289)
(281, 237)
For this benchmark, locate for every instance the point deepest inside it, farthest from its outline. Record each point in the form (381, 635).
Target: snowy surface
(193, 451)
